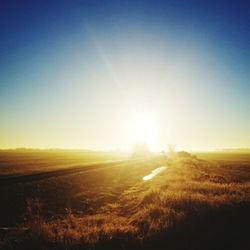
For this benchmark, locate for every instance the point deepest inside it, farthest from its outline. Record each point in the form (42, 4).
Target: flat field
(20, 162)
(198, 201)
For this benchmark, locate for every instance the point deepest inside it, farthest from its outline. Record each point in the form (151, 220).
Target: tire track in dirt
(8, 180)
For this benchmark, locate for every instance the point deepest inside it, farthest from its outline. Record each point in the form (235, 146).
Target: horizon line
(241, 149)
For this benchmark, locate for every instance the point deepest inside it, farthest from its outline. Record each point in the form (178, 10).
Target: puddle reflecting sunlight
(154, 173)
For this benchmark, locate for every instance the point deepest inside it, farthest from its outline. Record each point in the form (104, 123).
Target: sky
(78, 74)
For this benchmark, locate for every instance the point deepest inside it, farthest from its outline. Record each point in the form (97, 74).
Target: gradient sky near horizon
(73, 74)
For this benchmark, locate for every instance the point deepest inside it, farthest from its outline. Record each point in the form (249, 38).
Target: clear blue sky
(75, 73)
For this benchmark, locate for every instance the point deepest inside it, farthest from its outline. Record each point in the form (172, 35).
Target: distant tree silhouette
(140, 150)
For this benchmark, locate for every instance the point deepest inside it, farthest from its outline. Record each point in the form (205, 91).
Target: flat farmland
(194, 203)
(19, 162)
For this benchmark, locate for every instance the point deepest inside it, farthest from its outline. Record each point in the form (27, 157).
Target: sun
(142, 128)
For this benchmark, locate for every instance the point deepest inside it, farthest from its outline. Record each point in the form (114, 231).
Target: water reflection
(154, 173)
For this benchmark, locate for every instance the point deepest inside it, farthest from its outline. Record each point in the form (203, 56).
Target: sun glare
(142, 129)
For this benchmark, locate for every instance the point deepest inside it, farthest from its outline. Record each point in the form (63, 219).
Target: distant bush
(140, 150)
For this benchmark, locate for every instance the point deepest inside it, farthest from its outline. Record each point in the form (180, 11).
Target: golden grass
(190, 188)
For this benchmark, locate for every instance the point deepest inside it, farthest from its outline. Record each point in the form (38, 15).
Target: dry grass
(188, 191)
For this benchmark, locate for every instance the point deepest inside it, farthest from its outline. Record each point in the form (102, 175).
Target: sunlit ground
(153, 203)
